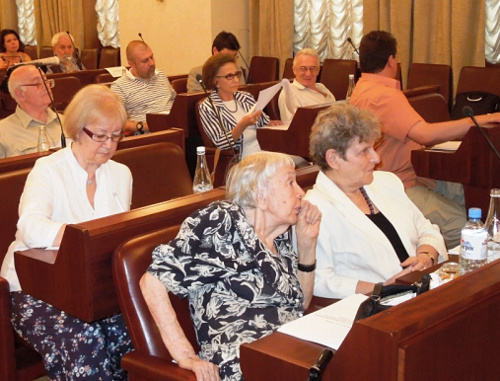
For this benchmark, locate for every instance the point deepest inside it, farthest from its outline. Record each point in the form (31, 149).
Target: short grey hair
(251, 176)
(92, 104)
(17, 77)
(57, 36)
(307, 52)
(337, 128)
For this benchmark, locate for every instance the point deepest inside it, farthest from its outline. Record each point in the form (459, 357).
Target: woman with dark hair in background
(11, 49)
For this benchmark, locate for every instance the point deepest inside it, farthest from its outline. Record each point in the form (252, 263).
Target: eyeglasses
(231, 76)
(40, 86)
(102, 138)
(312, 69)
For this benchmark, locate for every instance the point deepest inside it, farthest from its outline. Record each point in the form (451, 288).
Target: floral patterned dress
(238, 290)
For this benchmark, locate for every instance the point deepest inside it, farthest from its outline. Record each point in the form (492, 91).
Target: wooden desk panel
(473, 164)
(294, 140)
(448, 333)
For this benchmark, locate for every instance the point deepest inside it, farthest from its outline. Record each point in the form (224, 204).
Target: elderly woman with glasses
(371, 231)
(238, 129)
(78, 183)
(235, 262)
(304, 90)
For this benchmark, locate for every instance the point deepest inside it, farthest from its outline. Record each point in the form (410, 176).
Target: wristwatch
(139, 126)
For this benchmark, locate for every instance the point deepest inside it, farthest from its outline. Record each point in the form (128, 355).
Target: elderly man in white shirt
(304, 90)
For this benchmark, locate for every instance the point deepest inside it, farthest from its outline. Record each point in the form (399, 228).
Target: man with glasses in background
(143, 89)
(19, 131)
(304, 90)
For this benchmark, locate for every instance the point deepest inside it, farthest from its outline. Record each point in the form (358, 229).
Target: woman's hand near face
(204, 370)
(307, 230)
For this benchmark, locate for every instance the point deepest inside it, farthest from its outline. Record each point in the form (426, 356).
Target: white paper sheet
(266, 95)
(116, 71)
(446, 146)
(328, 326)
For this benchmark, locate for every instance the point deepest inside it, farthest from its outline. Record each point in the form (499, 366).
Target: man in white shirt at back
(304, 90)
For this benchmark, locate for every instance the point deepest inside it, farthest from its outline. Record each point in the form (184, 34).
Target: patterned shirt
(142, 97)
(238, 290)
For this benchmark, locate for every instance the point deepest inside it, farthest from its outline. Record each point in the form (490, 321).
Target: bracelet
(307, 268)
(429, 255)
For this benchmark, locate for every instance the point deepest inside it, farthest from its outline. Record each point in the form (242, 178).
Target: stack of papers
(328, 326)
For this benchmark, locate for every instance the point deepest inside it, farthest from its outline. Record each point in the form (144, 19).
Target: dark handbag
(480, 102)
(373, 304)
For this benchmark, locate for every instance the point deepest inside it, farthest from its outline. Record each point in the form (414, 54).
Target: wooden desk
(449, 333)
(294, 140)
(172, 135)
(473, 164)
(77, 278)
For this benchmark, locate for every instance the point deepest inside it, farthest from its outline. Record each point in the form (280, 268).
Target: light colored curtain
(492, 40)
(107, 22)
(325, 26)
(271, 29)
(442, 31)
(8, 14)
(26, 24)
(53, 16)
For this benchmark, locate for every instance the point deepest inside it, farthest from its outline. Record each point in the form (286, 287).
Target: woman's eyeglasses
(102, 138)
(231, 76)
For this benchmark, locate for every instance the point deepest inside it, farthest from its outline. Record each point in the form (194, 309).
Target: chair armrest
(141, 366)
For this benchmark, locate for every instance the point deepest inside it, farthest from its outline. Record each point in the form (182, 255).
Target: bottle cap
(200, 149)
(495, 192)
(351, 76)
(474, 212)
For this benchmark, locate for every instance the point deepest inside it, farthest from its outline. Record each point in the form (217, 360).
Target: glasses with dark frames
(101, 138)
(231, 76)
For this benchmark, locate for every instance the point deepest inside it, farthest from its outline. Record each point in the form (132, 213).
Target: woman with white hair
(235, 262)
(77, 183)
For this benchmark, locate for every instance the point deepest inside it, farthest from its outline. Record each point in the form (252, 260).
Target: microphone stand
(315, 372)
(53, 107)
(77, 53)
(354, 47)
(235, 44)
(467, 110)
(236, 157)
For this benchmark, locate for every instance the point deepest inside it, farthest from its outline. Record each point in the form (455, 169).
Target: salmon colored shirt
(384, 98)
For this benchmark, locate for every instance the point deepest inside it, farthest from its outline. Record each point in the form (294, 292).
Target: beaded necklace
(368, 201)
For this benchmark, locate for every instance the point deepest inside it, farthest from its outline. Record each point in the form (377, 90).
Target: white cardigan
(352, 248)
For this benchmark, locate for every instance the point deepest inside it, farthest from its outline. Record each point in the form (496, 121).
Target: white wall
(181, 32)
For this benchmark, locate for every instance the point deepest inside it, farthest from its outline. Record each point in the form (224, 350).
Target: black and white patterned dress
(238, 290)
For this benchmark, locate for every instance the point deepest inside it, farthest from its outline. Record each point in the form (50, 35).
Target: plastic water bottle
(473, 249)
(350, 88)
(43, 140)
(202, 181)
(493, 225)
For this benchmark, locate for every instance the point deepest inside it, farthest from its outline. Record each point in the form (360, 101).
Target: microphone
(52, 105)
(77, 53)
(140, 35)
(49, 61)
(319, 366)
(235, 44)
(467, 110)
(200, 80)
(350, 42)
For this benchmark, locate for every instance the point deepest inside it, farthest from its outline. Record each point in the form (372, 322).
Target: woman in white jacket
(370, 232)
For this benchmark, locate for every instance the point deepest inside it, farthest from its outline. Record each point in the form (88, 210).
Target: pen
(118, 201)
